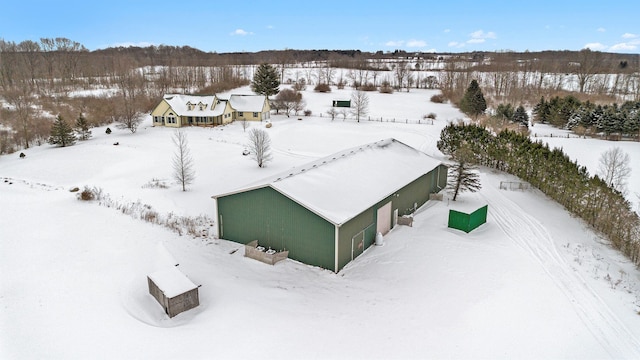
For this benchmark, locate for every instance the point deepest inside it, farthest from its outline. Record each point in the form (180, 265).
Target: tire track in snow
(534, 238)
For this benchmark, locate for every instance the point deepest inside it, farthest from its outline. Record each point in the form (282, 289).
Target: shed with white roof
(173, 290)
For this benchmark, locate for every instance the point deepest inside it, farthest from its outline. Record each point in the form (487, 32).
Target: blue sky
(230, 26)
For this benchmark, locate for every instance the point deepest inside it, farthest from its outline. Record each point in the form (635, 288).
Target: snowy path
(533, 237)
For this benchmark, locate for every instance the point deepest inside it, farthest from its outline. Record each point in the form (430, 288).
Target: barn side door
(357, 245)
(383, 223)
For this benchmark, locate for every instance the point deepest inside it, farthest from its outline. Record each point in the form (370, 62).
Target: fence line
(514, 185)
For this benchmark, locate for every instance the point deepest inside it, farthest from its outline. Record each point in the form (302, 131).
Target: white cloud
(624, 46)
(455, 44)
(482, 35)
(270, 27)
(409, 43)
(629, 36)
(595, 46)
(447, 30)
(241, 32)
(394, 43)
(601, 29)
(132, 44)
(479, 37)
(416, 43)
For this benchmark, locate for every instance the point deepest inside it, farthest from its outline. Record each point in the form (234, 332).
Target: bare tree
(245, 124)
(260, 146)
(614, 168)
(332, 112)
(401, 72)
(288, 100)
(183, 170)
(31, 55)
(23, 101)
(587, 67)
(130, 84)
(360, 104)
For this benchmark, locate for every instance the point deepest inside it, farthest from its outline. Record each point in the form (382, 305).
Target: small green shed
(328, 212)
(341, 103)
(467, 220)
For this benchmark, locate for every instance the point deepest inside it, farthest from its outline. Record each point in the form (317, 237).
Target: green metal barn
(329, 211)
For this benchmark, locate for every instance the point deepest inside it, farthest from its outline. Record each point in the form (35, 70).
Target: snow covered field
(531, 283)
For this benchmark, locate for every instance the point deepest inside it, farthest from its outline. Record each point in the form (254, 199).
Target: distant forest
(51, 77)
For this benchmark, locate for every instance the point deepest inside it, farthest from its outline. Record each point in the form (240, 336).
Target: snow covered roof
(248, 103)
(341, 186)
(211, 105)
(172, 282)
(194, 105)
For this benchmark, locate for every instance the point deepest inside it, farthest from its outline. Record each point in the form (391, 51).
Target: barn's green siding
(363, 222)
(274, 220)
(408, 199)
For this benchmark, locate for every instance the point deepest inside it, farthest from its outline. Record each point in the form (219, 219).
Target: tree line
(42, 79)
(590, 198)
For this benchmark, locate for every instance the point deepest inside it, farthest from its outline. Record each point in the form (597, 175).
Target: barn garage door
(384, 219)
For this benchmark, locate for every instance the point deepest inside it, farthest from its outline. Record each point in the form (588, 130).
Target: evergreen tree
(473, 102)
(61, 133)
(265, 81)
(521, 117)
(542, 111)
(82, 128)
(505, 111)
(463, 175)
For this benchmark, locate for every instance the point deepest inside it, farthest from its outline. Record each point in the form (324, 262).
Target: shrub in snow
(386, 88)
(307, 112)
(155, 184)
(87, 194)
(108, 131)
(438, 98)
(322, 88)
(368, 87)
(300, 85)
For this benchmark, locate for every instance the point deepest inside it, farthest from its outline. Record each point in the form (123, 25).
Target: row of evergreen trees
(551, 171)
(569, 113)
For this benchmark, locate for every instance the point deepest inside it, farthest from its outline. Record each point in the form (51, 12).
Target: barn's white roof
(342, 185)
(172, 282)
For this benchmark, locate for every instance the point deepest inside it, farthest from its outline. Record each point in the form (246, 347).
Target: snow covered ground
(533, 282)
